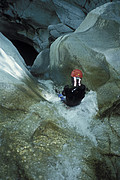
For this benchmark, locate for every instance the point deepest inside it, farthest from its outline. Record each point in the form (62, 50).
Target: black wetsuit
(74, 95)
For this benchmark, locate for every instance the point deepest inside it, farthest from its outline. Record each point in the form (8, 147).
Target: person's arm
(83, 91)
(65, 89)
(59, 95)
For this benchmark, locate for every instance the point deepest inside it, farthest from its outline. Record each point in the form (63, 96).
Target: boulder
(65, 13)
(11, 50)
(15, 80)
(41, 63)
(59, 29)
(93, 48)
(33, 22)
(29, 21)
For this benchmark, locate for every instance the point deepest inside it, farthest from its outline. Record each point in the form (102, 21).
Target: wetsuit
(74, 95)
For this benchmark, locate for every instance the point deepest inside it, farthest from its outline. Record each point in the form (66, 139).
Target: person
(72, 96)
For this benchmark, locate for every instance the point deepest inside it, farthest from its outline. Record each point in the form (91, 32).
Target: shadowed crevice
(26, 51)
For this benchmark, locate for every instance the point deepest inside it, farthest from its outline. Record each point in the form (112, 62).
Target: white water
(77, 119)
(80, 117)
(80, 120)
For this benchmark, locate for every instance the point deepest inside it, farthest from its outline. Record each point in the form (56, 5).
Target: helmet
(76, 73)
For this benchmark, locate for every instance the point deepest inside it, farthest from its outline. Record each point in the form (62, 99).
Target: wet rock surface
(37, 139)
(92, 48)
(41, 63)
(33, 22)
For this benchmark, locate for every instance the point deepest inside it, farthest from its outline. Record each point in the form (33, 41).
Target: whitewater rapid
(78, 118)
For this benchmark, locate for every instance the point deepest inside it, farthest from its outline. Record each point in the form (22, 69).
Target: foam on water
(48, 92)
(66, 169)
(79, 117)
(80, 120)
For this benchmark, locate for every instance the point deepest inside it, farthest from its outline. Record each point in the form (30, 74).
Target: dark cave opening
(26, 51)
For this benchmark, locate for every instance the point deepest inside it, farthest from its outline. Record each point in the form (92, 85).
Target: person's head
(76, 76)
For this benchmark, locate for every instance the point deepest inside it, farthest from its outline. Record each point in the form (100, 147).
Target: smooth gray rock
(69, 14)
(94, 48)
(41, 63)
(36, 142)
(15, 79)
(11, 50)
(29, 21)
(58, 30)
(34, 22)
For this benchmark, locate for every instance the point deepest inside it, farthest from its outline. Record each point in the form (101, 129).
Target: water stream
(84, 131)
(78, 118)
(80, 121)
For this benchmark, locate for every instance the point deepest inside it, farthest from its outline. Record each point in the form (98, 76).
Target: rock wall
(35, 21)
(15, 79)
(38, 142)
(94, 48)
(39, 23)
(35, 141)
